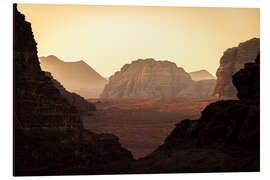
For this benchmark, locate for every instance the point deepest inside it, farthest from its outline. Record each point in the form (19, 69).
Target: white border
(6, 85)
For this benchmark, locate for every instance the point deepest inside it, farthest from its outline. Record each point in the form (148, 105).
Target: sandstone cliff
(49, 138)
(149, 78)
(226, 138)
(76, 77)
(232, 61)
(201, 75)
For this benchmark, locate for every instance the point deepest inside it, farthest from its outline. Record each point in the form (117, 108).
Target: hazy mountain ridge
(201, 75)
(76, 76)
(82, 105)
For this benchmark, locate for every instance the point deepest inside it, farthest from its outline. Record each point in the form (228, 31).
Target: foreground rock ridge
(76, 77)
(226, 138)
(148, 78)
(49, 138)
(231, 62)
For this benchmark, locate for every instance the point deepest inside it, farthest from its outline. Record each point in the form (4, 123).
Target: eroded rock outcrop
(149, 78)
(226, 138)
(231, 62)
(49, 138)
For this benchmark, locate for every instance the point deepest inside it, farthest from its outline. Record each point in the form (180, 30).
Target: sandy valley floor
(142, 124)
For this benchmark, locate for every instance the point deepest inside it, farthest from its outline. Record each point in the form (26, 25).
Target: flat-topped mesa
(147, 78)
(232, 61)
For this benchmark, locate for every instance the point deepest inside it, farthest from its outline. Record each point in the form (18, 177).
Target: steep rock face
(83, 106)
(48, 134)
(76, 76)
(147, 78)
(199, 89)
(37, 102)
(232, 61)
(226, 137)
(201, 75)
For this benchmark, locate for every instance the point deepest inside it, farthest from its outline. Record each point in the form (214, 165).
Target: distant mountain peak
(201, 75)
(74, 76)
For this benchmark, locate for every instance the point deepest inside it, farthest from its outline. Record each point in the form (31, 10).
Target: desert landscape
(142, 124)
(126, 114)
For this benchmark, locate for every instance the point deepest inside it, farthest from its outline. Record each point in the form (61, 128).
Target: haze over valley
(119, 89)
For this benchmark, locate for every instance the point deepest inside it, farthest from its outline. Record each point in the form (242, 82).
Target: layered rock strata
(149, 78)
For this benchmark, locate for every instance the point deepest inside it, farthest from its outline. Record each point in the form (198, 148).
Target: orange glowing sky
(107, 37)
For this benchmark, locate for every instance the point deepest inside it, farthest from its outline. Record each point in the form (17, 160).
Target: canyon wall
(49, 138)
(231, 62)
(226, 138)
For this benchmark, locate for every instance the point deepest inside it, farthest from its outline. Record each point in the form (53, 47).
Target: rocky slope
(76, 77)
(49, 138)
(231, 62)
(82, 105)
(149, 78)
(226, 138)
(201, 75)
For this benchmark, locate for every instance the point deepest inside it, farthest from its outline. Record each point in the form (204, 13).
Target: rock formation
(149, 78)
(83, 106)
(49, 138)
(199, 89)
(201, 75)
(232, 61)
(76, 77)
(226, 138)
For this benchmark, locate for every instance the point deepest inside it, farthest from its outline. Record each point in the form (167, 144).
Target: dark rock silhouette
(201, 75)
(83, 106)
(149, 78)
(76, 77)
(226, 138)
(232, 61)
(49, 138)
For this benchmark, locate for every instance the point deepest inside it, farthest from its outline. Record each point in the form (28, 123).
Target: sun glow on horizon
(107, 37)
